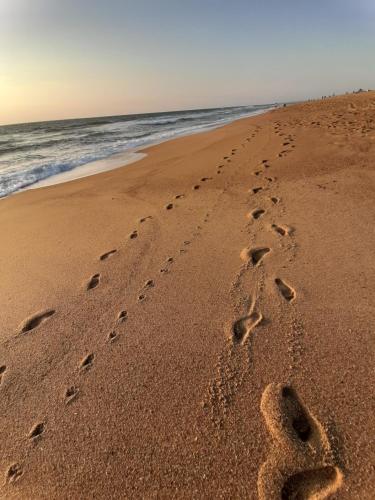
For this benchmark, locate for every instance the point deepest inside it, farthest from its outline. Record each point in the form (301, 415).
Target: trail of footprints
(15, 470)
(300, 464)
(241, 330)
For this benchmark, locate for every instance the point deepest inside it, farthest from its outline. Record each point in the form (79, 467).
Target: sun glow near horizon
(89, 59)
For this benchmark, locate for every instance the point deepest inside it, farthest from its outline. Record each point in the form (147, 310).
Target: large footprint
(300, 464)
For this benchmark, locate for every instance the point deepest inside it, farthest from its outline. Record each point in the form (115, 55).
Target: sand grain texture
(170, 332)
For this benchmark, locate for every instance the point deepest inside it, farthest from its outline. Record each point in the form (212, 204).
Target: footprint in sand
(281, 230)
(70, 394)
(169, 206)
(197, 186)
(242, 328)
(87, 362)
(93, 282)
(3, 369)
(133, 235)
(300, 464)
(256, 190)
(35, 320)
(257, 213)
(286, 291)
(204, 179)
(14, 472)
(256, 255)
(179, 196)
(145, 218)
(275, 200)
(122, 316)
(168, 262)
(37, 431)
(149, 284)
(106, 255)
(112, 336)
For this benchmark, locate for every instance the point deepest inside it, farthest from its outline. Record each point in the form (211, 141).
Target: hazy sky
(74, 58)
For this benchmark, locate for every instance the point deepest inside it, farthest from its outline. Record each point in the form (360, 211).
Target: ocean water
(33, 152)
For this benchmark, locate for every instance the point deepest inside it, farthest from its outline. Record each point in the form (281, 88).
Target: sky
(79, 58)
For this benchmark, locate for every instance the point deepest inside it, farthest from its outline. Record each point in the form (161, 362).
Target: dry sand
(162, 341)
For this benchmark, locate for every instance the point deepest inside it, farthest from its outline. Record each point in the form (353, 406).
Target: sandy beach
(198, 324)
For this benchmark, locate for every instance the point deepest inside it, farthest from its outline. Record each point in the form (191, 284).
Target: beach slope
(198, 324)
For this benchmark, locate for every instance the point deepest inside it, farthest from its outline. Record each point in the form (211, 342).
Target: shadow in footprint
(35, 320)
(315, 483)
(257, 213)
(14, 472)
(70, 394)
(243, 327)
(281, 230)
(257, 255)
(286, 291)
(300, 424)
(145, 218)
(87, 362)
(93, 282)
(106, 255)
(122, 316)
(37, 430)
(149, 284)
(2, 371)
(112, 336)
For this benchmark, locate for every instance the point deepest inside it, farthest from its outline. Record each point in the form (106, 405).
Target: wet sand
(198, 324)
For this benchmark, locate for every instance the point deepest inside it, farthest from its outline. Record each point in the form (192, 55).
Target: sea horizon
(32, 153)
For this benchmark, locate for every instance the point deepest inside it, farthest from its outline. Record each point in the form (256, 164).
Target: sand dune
(198, 324)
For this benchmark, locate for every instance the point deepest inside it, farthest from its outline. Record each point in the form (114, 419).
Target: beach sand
(199, 324)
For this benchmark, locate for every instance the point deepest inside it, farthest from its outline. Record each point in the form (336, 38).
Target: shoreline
(186, 323)
(120, 159)
(87, 169)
